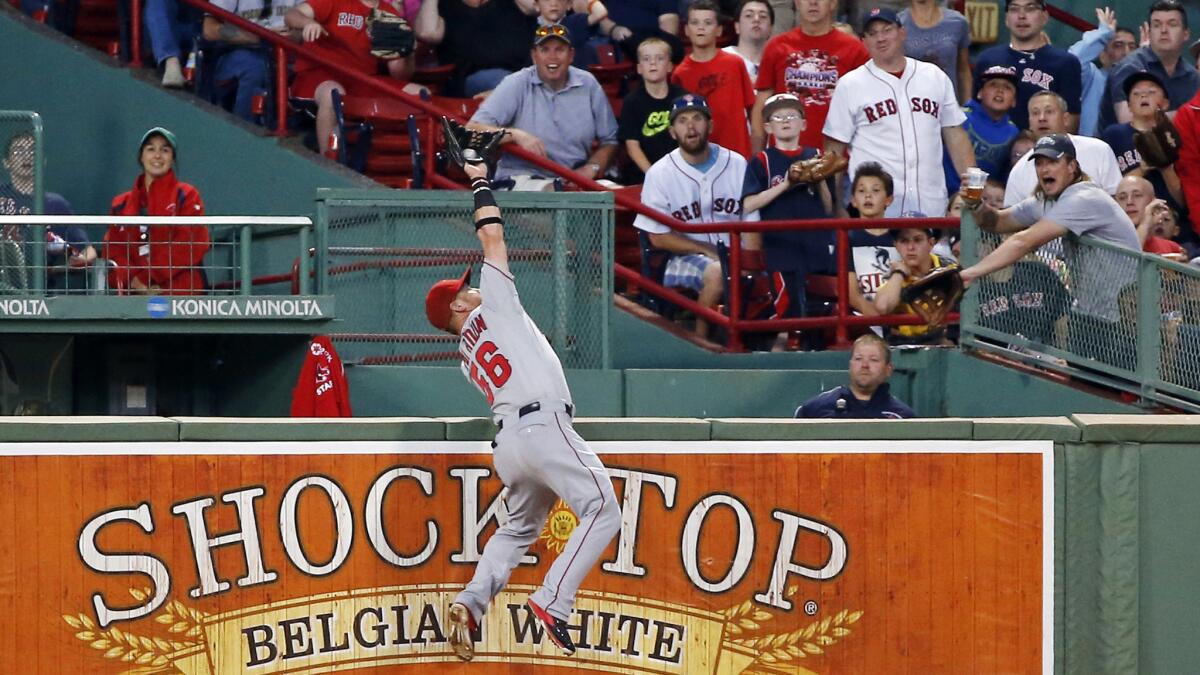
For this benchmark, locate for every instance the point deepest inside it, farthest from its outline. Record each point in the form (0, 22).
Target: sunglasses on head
(556, 30)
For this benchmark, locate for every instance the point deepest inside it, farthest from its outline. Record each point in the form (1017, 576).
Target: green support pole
(558, 256)
(1149, 324)
(37, 233)
(244, 262)
(305, 262)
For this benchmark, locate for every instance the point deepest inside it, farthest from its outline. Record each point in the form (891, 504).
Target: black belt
(534, 407)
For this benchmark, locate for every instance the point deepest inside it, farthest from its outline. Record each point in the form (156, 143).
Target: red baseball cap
(437, 303)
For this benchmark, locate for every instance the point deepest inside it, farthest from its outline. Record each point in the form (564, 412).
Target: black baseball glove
(934, 295)
(1159, 145)
(391, 36)
(472, 146)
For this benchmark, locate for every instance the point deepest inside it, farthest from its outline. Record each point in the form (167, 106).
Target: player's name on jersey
(76, 307)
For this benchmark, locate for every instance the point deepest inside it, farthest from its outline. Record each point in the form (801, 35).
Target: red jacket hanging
(167, 256)
(321, 390)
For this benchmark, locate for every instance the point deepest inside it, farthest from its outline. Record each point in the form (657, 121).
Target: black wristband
(483, 194)
(488, 220)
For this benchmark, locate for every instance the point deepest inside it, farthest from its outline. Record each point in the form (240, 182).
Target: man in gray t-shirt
(1066, 204)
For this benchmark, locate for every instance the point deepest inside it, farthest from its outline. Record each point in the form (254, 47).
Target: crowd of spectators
(753, 87)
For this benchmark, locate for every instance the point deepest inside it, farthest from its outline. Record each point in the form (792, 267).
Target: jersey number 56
(489, 369)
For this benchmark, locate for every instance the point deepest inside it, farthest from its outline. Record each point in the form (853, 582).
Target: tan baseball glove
(816, 169)
(935, 295)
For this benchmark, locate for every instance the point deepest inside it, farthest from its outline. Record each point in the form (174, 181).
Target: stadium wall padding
(1126, 533)
(94, 112)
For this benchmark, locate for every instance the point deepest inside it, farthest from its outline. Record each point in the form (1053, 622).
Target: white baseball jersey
(1095, 157)
(898, 122)
(504, 354)
(674, 186)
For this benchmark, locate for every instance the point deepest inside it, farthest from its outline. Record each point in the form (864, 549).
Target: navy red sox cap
(690, 102)
(881, 14)
(1141, 76)
(441, 294)
(1054, 146)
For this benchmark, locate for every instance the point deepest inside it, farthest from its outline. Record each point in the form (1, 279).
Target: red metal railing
(840, 322)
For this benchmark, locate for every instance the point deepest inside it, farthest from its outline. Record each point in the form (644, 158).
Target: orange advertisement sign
(734, 557)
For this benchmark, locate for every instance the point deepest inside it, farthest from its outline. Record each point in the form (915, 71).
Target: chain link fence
(380, 256)
(1094, 310)
(21, 193)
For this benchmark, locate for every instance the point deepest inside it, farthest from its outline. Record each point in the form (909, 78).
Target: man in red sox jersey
(898, 111)
(536, 453)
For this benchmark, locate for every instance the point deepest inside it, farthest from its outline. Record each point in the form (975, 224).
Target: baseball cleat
(555, 628)
(462, 631)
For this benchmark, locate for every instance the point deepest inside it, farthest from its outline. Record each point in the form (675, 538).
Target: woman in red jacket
(157, 259)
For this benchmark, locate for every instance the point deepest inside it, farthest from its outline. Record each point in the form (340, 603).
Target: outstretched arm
(489, 226)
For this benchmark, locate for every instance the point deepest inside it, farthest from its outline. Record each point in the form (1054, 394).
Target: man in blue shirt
(1039, 64)
(1164, 57)
(868, 395)
(551, 109)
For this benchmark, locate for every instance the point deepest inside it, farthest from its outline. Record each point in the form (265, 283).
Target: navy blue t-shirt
(1045, 68)
(808, 250)
(1120, 137)
(640, 15)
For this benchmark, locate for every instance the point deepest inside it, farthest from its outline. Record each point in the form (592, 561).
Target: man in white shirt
(1048, 115)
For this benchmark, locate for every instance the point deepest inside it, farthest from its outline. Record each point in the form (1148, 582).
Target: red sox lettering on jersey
(676, 187)
(898, 122)
(350, 20)
(504, 354)
(1037, 78)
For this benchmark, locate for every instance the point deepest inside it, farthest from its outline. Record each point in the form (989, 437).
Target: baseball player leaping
(536, 453)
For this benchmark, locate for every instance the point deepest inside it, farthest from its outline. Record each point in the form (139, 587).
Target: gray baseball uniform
(537, 453)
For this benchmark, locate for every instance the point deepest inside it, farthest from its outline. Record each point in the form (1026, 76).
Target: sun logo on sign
(559, 526)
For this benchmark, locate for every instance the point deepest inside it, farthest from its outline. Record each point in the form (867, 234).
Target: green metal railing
(1095, 311)
(383, 250)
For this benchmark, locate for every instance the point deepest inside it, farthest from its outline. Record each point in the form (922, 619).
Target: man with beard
(1068, 202)
(868, 395)
(1041, 65)
(697, 182)
(1047, 116)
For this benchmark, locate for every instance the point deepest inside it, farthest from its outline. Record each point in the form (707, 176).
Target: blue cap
(881, 14)
(690, 102)
(1054, 146)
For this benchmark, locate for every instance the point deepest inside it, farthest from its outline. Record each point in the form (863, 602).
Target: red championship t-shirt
(810, 68)
(723, 81)
(347, 43)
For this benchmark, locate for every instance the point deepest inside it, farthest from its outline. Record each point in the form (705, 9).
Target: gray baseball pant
(540, 458)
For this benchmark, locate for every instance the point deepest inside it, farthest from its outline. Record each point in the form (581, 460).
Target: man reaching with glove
(917, 260)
